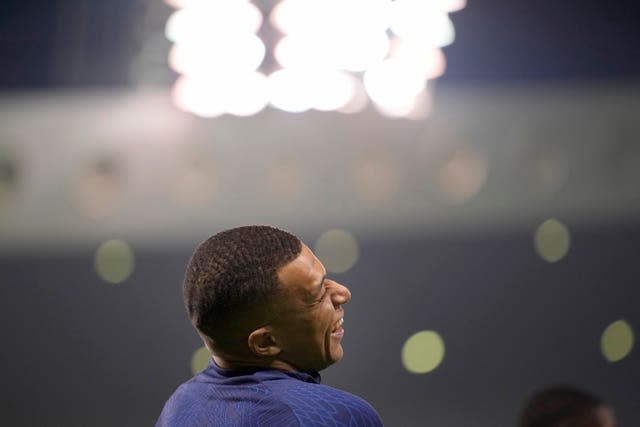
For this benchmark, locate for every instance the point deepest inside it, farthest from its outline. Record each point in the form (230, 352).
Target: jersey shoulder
(321, 405)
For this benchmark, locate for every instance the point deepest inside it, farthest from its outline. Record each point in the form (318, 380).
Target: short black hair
(560, 406)
(233, 274)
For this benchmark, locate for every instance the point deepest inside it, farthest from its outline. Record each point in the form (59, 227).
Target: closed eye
(323, 296)
(324, 293)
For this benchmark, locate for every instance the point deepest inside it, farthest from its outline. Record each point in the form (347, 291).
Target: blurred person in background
(565, 406)
(265, 309)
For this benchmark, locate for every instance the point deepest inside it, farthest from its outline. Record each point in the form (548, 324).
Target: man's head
(563, 406)
(259, 297)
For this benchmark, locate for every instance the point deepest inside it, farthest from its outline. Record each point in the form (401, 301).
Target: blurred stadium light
(324, 51)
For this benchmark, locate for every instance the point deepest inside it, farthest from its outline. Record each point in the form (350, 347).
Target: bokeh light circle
(376, 178)
(200, 359)
(552, 240)
(423, 352)
(337, 249)
(463, 175)
(99, 190)
(194, 187)
(617, 341)
(114, 261)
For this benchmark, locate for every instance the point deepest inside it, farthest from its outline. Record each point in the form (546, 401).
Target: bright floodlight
(296, 52)
(208, 21)
(338, 16)
(354, 53)
(358, 100)
(421, 20)
(452, 5)
(177, 4)
(242, 94)
(287, 15)
(393, 84)
(181, 4)
(414, 108)
(305, 17)
(359, 51)
(331, 90)
(428, 61)
(290, 90)
(297, 90)
(250, 94)
(235, 53)
(334, 54)
(198, 96)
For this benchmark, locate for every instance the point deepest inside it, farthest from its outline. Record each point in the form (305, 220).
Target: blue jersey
(252, 398)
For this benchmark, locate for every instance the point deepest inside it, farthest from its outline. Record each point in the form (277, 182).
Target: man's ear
(263, 343)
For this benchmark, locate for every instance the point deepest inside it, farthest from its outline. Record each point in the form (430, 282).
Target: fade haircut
(560, 406)
(233, 275)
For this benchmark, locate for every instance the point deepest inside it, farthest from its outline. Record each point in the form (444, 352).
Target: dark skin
(303, 329)
(605, 417)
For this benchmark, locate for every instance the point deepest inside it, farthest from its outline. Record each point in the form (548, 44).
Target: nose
(341, 294)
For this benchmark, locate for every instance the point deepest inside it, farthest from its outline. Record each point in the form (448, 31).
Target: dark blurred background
(506, 221)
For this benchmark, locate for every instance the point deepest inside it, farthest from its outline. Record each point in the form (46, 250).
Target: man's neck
(229, 362)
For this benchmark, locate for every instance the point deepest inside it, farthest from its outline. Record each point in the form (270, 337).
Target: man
(563, 406)
(264, 307)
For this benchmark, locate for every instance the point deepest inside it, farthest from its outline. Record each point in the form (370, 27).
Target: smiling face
(308, 313)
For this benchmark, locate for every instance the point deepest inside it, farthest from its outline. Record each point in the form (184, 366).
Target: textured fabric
(225, 397)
